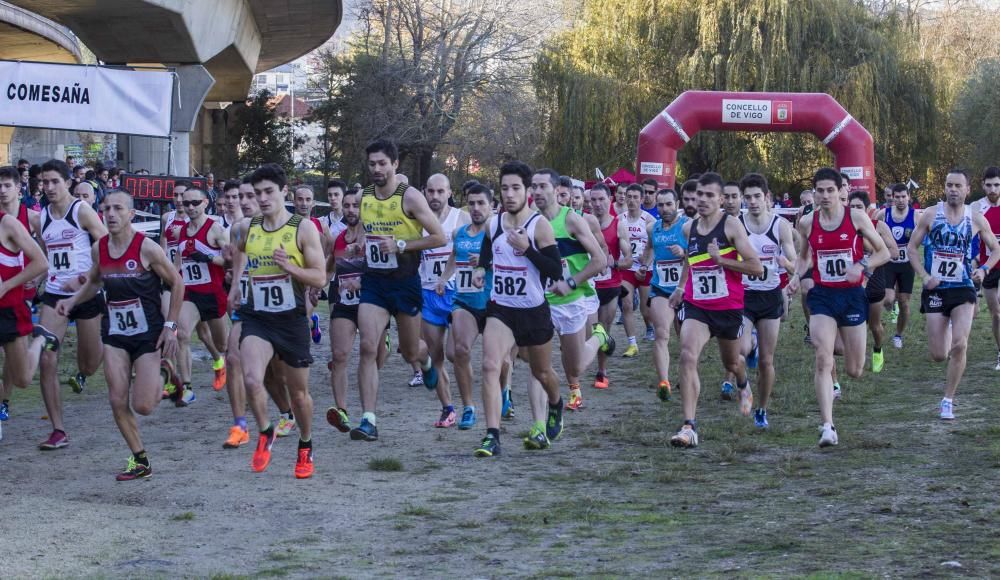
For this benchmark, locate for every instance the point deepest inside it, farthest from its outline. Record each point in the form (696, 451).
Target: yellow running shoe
(575, 400)
(631, 351)
(878, 361)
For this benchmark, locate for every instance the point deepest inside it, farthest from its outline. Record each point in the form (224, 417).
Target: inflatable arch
(816, 113)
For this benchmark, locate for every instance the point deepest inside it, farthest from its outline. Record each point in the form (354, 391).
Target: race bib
(948, 266)
(833, 264)
(508, 282)
(463, 278)
(194, 273)
(668, 272)
(769, 267)
(126, 318)
(62, 258)
(172, 252)
(432, 266)
(709, 283)
(604, 276)
(244, 288)
(901, 255)
(374, 255)
(349, 296)
(273, 293)
(638, 246)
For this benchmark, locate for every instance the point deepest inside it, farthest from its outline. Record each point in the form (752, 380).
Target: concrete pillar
(6, 135)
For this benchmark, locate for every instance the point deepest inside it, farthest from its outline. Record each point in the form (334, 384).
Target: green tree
(265, 136)
(976, 119)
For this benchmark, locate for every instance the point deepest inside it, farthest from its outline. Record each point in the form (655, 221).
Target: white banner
(746, 111)
(85, 98)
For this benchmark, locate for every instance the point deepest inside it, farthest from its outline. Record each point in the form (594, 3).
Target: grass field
(904, 494)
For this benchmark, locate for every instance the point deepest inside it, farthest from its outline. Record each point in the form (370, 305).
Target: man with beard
(990, 208)
(637, 224)
(609, 282)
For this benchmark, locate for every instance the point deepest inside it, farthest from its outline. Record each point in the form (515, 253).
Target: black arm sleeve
(547, 260)
(486, 254)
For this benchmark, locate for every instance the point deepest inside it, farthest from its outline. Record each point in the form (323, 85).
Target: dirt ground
(903, 495)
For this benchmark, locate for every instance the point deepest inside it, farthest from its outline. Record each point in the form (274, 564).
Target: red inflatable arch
(816, 113)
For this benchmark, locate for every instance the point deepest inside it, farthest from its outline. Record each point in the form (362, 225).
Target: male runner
(637, 222)
(131, 268)
(732, 203)
(689, 198)
(68, 226)
(732, 199)
(711, 291)
(564, 191)
(201, 264)
(989, 206)
(395, 217)
(664, 256)
(609, 282)
(576, 200)
(899, 274)
(335, 191)
(245, 207)
(875, 286)
(521, 251)
(437, 307)
(619, 207)
(833, 242)
(649, 204)
(281, 259)
(949, 296)
(581, 258)
(763, 299)
(304, 201)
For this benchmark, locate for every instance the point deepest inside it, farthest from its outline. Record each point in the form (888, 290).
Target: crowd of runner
(539, 256)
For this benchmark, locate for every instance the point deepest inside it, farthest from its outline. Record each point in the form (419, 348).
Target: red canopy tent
(621, 176)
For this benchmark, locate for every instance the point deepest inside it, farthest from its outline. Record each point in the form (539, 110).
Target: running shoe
(607, 342)
(339, 419)
(468, 418)
(262, 455)
(170, 380)
(431, 378)
(388, 343)
(364, 432)
(507, 410)
(728, 390)
(489, 447)
(878, 361)
(746, 400)
(631, 351)
(827, 436)
(663, 390)
(134, 470)
(554, 424)
(51, 340)
(947, 410)
(536, 439)
(4, 411)
(447, 419)
(237, 437)
(686, 437)
(78, 383)
(897, 341)
(575, 400)
(650, 334)
(285, 426)
(601, 381)
(836, 391)
(997, 368)
(417, 380)
(760, 418)
(304, 464)
(752, 357)
(56, 440)
(186, 398)
(808, 338)
(317, 334)
(894, 314)
(219, 366)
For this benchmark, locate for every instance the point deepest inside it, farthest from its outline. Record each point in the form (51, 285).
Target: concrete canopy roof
(26, 36)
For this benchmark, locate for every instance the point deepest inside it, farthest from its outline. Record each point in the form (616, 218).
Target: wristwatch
(571, 282)
(401, 244)
(171, 325)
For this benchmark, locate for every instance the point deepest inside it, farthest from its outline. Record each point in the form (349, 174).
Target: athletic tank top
(434, 261)
(200, 277)
(948, 249)
(22, 216)
(272, 290)
(11, 264)
(385, 218)
(347, 269)
(172, 233)
(132, 291)
(637, 238)
(768, 246)
(517, 283)
(710, 286)
(336, 226)
(611, 277)
(834, 252)
(574, 259)
(466, 293)
(992, 215)
(901, 232)
(67, 245)
(667, 267)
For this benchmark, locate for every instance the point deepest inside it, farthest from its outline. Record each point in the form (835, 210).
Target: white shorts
(570, 318)
(593, 304)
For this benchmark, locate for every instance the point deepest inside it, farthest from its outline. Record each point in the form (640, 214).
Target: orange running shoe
(575, 400)
(601, 381)
(663, 391)
(237, 437)
(219, 366)
(262, 455)
(304, 465)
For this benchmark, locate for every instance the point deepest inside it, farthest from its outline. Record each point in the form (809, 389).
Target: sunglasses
(192, 203)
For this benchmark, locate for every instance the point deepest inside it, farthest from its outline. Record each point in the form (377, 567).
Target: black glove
(200, 257)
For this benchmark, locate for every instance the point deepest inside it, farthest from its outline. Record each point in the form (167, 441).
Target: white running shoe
(947, 410)
(897, 341)
(836, 391)
(417, 380)
(828, 436)
(285, 426)
(997, 368)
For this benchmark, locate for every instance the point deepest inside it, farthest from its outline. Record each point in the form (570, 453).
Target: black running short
(722, 324)
(899, 274)
(346, 312)
(530, 326)
(763, 305)
(90, 309)
(135, 346)
(210, 305)
(944, 300)
(875, 289)
(479, 315)
(609, 295)
(992, 279)
(288, 334)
